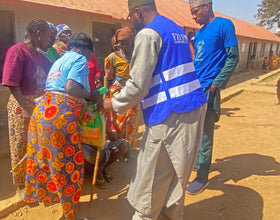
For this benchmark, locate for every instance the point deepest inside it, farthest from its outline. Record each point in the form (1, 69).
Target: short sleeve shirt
(70, 66)
(25, 69)
(210, 43)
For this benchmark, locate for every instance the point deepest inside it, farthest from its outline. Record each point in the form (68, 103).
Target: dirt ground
(244, 178)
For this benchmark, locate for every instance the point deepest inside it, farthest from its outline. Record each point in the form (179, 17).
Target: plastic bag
(92, 126)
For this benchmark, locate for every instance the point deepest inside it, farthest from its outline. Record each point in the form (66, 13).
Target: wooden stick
(97, 160)
(94, 176)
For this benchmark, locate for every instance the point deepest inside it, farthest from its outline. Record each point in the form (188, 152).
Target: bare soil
(244, 178)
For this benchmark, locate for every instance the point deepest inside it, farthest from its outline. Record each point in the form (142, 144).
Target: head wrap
(136, 3)
(52, 27)
(196, 3)
(124, 33)
(62, 27)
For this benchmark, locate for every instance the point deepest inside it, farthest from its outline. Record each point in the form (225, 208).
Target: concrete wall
(263, 48)
(78, 23)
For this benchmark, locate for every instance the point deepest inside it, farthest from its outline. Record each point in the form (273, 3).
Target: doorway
(102, 34)
(252, 54)
(7, 36)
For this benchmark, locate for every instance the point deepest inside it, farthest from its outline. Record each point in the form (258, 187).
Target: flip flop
(107, 176)
(100, 183)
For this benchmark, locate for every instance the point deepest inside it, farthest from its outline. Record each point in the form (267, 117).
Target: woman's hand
(27, 110)
(96, 97)
(213, 88)
(107, 105)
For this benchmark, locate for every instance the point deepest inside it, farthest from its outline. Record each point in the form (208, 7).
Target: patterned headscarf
(62, 27)
(52, 27)
(196, 3)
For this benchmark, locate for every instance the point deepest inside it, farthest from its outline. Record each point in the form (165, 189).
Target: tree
(268, 13)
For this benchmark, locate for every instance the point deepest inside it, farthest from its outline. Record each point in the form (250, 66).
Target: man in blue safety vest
(163, 78)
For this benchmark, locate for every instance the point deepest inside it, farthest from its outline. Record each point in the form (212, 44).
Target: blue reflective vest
(174, 86)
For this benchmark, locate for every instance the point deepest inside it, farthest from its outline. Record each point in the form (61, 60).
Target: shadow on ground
(6, 182)
(230, 112)
(235, 199)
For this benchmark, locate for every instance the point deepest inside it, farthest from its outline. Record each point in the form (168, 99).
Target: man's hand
(213, 88)
(107, 105)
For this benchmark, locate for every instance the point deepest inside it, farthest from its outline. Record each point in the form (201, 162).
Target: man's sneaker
(196, 186)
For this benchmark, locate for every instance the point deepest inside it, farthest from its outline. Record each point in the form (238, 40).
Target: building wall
(262, 50)
(84, 23)
(78, 23)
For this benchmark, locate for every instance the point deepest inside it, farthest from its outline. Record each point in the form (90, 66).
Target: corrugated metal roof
(177, 10)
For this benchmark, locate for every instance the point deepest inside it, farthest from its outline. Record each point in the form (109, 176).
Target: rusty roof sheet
(177, 10)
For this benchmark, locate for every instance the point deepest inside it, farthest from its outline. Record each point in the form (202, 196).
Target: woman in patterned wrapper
(25, 71)
(116, 67)
(55, 162)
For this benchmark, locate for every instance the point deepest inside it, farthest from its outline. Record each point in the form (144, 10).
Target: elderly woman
(55, 165)
(25, 72)
(117, 68)
(63, 34)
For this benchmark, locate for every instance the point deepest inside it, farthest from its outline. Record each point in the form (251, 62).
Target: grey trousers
(164, 165)
(165, 174)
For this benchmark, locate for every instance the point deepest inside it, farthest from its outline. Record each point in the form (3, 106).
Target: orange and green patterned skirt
(55, 164)
(125, 124)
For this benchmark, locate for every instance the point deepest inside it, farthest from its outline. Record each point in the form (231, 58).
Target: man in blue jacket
(216, 56)
(174, 105)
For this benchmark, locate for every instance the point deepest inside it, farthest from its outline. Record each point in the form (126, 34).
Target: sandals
(107, 176)
(100, 183)
(102, 179)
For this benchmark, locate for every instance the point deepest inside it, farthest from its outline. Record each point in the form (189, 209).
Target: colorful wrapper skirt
(126, 124)
(55, 164)
(18, 129)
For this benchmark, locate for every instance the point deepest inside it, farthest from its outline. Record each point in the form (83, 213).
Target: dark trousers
(204, 157)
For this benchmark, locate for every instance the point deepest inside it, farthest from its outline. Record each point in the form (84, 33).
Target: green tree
(268, 13)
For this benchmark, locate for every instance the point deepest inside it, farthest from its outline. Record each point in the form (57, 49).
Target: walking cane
(94, 176)
(97, 160)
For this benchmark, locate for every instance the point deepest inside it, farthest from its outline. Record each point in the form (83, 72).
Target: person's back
(174, 65)
(63, 69)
